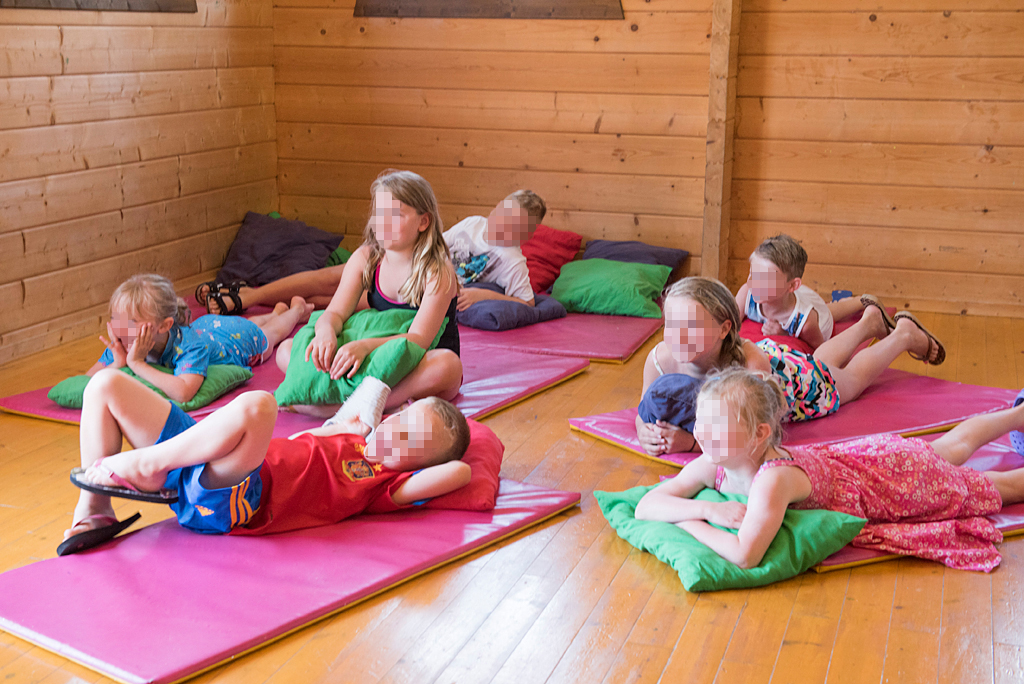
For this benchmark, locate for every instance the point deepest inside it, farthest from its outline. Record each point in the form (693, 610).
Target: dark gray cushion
(268, 249)
(634, 252)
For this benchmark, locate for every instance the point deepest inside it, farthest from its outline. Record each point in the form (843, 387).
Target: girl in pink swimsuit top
(917, 497)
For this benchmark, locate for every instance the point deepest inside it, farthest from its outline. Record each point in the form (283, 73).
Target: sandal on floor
(1016, 436)
(124, 490)
(940, 356)
(96, 536)
(871, 300)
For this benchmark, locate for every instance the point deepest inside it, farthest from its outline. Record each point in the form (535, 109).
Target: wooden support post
(725, 30)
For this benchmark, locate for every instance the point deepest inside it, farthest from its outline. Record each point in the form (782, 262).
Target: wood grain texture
(885, 78)
(648, 32)
(494, 109)
(493, 70)
(579, 153)
(123, 137)
(938, 33)
(944, 122)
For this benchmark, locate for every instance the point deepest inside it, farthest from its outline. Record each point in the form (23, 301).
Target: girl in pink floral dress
(917, 498)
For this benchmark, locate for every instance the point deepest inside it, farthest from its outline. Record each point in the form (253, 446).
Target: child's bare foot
(116, 470)
(873, 317)
(91, 520)
(922, 345)
(303, 305)
(280, 308)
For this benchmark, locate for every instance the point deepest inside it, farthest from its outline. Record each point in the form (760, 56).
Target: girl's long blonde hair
(431, 258)
(152, 297)
(754, 399)
(719, 302)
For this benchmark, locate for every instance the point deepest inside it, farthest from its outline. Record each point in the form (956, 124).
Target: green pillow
(619, 288)
(220, 380)
(390, 362)
(805, 539)
(338, 257)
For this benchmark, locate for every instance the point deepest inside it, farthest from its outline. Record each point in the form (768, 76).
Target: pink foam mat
(491, 382)
(898, 402)
(997, 455)
(590, 336)
(164, 603)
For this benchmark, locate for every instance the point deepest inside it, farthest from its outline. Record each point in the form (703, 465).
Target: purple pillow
(493, 314)
(634, 252)
(268, 249)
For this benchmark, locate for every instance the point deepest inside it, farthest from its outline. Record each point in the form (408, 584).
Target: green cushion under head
(618, 288)
(805, 539)
(390, 362)
(219, 381)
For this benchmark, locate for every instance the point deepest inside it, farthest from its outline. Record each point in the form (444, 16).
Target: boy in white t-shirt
(487, 249)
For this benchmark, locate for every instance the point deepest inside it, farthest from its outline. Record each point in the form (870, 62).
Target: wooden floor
(569, 601)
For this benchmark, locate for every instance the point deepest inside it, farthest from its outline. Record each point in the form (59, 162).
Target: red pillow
(484, 458)
(546, 252)
(751, 330)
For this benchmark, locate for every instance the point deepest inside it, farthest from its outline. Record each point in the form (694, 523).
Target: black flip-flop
(92, 538)
(125, 491)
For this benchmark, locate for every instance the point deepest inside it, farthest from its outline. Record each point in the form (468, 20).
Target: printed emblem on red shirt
(357, 470)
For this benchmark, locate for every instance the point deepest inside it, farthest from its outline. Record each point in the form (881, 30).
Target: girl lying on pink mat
(225, 475)
(150, 323)
(917, 497)
(702, 323)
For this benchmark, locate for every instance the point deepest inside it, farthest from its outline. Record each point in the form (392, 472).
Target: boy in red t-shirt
(227, 475)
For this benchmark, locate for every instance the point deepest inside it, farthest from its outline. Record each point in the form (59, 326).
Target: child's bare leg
(957, 445)
(280, 326)
(439, 374)
(1010, 485)
(869, 364)
(845, 308)
(837, 351)
(115, 405)
(313, 286)
(232, 442)
(260, 319)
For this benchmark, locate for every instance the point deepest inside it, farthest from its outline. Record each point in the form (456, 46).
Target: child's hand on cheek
(771, 327)
(117, 349)
(142, 345)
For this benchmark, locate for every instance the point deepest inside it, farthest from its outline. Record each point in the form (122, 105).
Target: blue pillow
(634, 252)
(492, 314)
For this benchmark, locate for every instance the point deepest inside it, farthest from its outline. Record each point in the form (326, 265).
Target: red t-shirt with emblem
(313, 481)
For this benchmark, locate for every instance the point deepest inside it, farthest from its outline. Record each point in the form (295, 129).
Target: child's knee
(257, 406)
(447, 363)
(284, 355)
(104, 383)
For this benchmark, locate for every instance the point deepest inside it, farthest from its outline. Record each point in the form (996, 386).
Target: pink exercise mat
(492, 381)
(898, 402)
(164, 603)
(589, 336)
(997, 455)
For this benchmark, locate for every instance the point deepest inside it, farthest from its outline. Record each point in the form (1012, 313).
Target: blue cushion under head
(492, 314)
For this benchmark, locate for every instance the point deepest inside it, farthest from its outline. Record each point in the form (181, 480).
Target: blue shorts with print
(210, 511)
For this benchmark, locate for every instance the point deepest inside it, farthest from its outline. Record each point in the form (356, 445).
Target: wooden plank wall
(128, 142)
(888, 135)
(605, 119)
